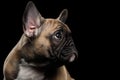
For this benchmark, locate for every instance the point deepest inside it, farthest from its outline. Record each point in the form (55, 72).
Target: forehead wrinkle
(49, 23)
(64, 26)
(52, 25)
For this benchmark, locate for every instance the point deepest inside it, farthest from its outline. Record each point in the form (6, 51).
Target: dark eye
(58, 35)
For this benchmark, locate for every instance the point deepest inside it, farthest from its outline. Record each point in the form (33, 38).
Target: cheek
(42, 45)
(54, 43)
(42, 42)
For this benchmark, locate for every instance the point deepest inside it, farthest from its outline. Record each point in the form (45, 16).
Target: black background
(85, 19)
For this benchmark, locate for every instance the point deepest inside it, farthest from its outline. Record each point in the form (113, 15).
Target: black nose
(73, 48)
(70, 49)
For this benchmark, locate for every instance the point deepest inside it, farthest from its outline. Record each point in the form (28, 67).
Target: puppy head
(50, 38)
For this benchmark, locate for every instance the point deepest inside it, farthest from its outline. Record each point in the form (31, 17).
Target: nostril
(71, 44)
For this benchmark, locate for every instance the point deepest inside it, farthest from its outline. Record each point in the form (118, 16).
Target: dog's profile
(43, 50)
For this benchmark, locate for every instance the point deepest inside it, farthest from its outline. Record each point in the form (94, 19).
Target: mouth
(68, 57)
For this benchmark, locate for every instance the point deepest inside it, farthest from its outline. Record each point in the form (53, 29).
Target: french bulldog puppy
(43, 50)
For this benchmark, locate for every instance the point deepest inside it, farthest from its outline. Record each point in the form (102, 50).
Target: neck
(51, 73)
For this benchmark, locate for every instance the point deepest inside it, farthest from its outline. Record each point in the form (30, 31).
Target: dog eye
(58, 35)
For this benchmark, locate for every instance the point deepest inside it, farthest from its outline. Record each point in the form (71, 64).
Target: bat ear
(32, 20)
(63, 15)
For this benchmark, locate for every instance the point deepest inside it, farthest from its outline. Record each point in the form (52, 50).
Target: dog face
(50, 38)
